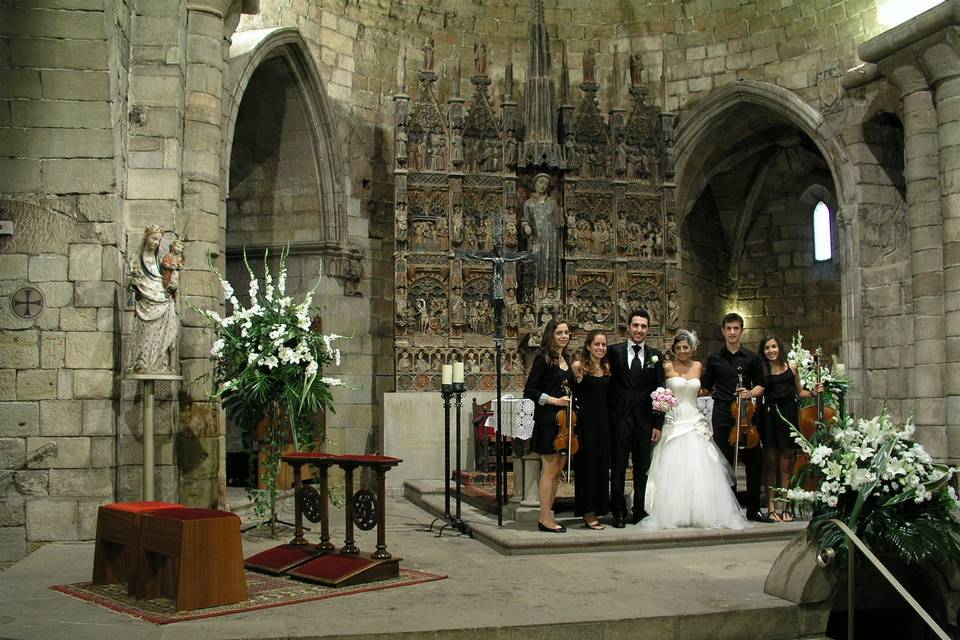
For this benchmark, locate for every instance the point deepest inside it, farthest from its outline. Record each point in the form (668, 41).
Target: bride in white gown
(688, 484)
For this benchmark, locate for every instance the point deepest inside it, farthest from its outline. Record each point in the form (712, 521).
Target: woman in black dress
(551, 368)
(591, 463)
(781, 388)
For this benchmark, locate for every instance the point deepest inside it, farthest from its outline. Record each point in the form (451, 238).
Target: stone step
(522, 538)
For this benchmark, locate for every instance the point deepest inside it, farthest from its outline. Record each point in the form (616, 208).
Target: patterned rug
(263, 592)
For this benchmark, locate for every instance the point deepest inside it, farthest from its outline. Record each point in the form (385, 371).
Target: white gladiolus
(254, 289)
(227, 290)
(217, 347)
(252, 357)
(332, 382)
(312, 368)
(270, 362)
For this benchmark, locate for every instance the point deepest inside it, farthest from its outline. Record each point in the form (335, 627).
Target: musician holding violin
(782, 387)
(549, 385)
(734, 373)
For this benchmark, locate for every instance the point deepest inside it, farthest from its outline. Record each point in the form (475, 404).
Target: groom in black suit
(636, 370)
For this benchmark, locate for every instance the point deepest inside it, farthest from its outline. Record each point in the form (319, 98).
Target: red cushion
(186, 513)
(370, 459)
(142, 507)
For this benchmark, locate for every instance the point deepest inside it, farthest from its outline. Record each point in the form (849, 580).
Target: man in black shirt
(722, 375)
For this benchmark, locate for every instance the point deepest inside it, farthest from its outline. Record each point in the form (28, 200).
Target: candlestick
(458, 372)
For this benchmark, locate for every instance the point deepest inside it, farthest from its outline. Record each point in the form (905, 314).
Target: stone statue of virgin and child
(154, 283)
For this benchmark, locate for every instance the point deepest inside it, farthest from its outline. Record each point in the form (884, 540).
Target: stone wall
(60, 156)
(705, 285)
(780, 288)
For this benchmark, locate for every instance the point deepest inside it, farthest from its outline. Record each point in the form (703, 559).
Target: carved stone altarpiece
(606, 191)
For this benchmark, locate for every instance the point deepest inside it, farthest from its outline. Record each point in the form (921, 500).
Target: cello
(744, 434)
(809, 420)
(566, 439)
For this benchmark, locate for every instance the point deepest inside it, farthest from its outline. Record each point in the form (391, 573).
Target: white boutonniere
(653, 361)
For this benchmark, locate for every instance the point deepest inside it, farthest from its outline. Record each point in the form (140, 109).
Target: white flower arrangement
(267, 363)
(882, 484)
(807, 369)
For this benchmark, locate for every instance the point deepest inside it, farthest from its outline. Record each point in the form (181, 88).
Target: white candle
(457, 372)
(447, 374)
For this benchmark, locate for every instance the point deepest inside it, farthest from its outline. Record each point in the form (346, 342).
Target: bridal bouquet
(663, 400)
(882, 485)
(267, 360)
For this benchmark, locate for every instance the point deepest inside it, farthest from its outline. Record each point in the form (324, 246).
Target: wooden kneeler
(338, 570)
(117, 545)
(322, 563)
(192, 555)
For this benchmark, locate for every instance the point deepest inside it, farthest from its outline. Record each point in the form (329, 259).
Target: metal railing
(826, 556)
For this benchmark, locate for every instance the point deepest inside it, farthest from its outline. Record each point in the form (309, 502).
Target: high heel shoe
(560, 528)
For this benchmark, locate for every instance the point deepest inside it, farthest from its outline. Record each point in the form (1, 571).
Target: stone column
(202, 431)
(942, 63)
(926, 252)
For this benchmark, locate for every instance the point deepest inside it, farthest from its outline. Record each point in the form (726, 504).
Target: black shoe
(638, 516)
(756, 516)
(619, 521)
(560, 528)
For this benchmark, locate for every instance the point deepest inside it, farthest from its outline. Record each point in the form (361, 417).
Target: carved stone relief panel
(640, 228)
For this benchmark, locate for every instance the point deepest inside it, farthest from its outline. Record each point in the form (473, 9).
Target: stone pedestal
(524, 506)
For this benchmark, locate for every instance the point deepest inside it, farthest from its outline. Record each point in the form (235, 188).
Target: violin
(744, 434)
(809, 420)
(567, 440)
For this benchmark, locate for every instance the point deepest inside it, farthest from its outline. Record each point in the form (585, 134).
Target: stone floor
(678, 592)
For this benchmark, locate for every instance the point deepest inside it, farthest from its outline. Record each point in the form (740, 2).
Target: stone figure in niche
(601, 238)
(403, 111)
(442, 233)
(510, 232)
(456, 225)
(401, 145)
(404, 363)
(487, 234)
(673, 241)
(673, 312)
(438, 315)
(428, 55)
(589, 66)
(510, 154)
(573, 310)
(155, 315)
(172, 266)
(456, 149)
(486, 362)
(570, 155)
(471, 364)
(636, 70)
(469, 233)
(487, 318)
(541, 226)
(529, 319)
(423, 313)
(456, 309)
(480, 58)
(422, 364)
(437, 149)
(473, 317)
(624, 306)
(620, 157)
(422, 154)
(401, 217)
(572, 231)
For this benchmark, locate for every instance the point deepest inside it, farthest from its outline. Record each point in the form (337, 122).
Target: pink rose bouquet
(663, 400)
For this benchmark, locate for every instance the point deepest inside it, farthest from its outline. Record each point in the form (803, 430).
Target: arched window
(821, 232)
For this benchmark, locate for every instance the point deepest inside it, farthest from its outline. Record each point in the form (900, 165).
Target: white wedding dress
(688, 484)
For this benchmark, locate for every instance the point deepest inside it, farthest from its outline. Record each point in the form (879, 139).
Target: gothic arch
(250, 49)
(785, 104)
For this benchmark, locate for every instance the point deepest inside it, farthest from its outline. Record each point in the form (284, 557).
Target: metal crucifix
(497, 258)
